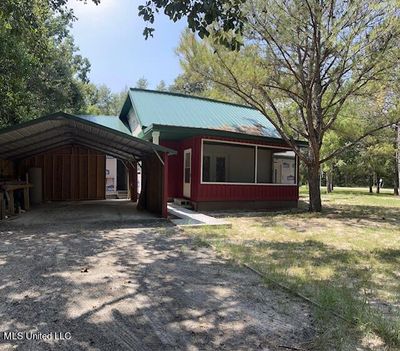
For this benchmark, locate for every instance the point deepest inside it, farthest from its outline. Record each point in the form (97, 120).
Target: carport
(71, 152)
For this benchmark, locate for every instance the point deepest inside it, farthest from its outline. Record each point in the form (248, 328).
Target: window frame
(256, 146)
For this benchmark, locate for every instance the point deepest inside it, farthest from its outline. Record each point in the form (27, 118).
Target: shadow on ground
(136, 288)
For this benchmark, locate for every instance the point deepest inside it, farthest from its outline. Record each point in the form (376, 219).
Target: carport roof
(59, 129)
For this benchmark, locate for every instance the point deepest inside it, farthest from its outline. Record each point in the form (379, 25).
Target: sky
(110, 36)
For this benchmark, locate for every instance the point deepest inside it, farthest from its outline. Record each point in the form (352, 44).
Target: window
(228, 163)
(264, 165)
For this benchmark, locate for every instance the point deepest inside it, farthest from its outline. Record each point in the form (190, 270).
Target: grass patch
(346, 259)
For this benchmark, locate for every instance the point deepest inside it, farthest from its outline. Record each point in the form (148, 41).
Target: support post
(26, 199)
(133, 183)
(2, 206)
(11, 204)
(165, 186)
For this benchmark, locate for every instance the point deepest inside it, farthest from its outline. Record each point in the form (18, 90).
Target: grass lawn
(346, 259)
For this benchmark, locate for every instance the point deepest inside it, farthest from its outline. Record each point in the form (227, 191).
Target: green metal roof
(171, 109)
(112, 122)
(60, 129)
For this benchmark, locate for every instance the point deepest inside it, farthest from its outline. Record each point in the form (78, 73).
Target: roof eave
(160, 127)
(59, 115)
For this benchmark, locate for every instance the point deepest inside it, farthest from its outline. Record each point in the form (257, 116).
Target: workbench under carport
(71, 153)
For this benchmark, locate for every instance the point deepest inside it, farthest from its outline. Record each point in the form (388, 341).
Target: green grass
(346, 258)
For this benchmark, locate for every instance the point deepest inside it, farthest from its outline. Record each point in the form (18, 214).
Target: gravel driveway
(126, 287)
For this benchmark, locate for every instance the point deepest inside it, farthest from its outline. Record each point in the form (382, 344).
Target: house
(228, 155)
(212, 154)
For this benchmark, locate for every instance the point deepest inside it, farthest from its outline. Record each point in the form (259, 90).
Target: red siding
(175, 170)
(226, 192)
(175, 166)
(219, 192)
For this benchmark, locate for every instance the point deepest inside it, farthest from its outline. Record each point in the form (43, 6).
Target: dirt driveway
(126, 287)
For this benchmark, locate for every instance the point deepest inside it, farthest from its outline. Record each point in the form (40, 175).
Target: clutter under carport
(14, 196)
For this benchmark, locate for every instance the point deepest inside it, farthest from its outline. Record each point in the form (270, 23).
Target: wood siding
(70, 173)
(152, 195)
(220, 192)
(227, 192)
(6, 169)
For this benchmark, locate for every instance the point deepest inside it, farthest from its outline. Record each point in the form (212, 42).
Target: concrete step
(183, 203)
(189, 218)
(122, 194)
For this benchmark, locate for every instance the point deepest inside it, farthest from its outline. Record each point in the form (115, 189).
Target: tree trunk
(397, 177)
(329, 182)
(378, 185)
(396, 182)
(314, 188)
(371, 184)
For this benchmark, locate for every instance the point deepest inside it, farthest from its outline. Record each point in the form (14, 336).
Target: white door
(187, 172)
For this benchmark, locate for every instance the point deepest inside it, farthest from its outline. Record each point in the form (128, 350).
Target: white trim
(256, 165)
(248, 144)
(156, 137)
(226, 183)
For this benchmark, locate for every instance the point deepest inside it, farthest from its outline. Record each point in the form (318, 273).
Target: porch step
(122, 194)
(189, 218)
(183, 203)
(111, 196)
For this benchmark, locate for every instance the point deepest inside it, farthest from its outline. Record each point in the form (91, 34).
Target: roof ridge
(191, 97)
(91, 115)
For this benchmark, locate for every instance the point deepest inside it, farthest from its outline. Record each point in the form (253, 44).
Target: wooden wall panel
(7, 169)
(47, 175)
(74, 177)
(70, 173)
(151, 196)
(92, 176)
(101, 181)
(83, 177)
(66, 184)
(57, 177)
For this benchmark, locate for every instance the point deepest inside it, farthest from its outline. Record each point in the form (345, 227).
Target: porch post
(133, 183)
(165, 186)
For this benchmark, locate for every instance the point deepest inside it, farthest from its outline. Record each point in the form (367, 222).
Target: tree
(161, 86)
(142, 83)
(370, 160)
(397, 164)
(300, 62)
(192, 83)
(100, 100)
(374, 153)
(377, 157)
(40, 70)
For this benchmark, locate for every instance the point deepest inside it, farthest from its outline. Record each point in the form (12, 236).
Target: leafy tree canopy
(40, 70)
(142, 83)
(203, 17)
(100, 100)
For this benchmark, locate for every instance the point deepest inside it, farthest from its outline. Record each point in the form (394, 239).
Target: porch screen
(228, 163)
(275, 167)
(284, 167)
